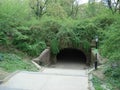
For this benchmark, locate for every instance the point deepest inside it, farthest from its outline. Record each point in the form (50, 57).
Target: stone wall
(93, 57)
(44, 58)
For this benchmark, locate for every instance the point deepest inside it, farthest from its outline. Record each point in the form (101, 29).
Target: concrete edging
(37, 65)
(8, 77)
(90, 76)
(90, 82)
(1, 81)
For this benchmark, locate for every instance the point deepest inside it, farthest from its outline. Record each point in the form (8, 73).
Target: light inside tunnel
(71, 55)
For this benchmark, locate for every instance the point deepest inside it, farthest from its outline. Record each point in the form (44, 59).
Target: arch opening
(71, 55)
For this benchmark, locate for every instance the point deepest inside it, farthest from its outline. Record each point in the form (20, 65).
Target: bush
(110, 48)
(54, 46)
(97, 83)
(13, 14)
(112, 73)
(111, 42)
(12, 62)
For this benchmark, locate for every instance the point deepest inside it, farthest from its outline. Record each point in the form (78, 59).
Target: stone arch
(73, 53)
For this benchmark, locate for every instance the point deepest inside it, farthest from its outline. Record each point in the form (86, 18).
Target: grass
(97, 83)
(112, 75)
(110, 79)
(12, 62)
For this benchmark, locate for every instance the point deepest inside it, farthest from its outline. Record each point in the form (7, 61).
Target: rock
(114, 65)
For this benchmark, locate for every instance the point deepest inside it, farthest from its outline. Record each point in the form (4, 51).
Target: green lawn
(12, 62)
(97, 83)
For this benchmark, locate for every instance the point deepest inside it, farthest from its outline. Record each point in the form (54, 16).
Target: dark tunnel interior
(71, 55)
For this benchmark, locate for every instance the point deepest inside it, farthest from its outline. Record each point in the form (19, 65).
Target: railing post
(96, 62)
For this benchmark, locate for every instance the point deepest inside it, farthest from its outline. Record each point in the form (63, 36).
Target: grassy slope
(12, 60)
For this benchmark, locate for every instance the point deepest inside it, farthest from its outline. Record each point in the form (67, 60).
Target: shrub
(12, 62)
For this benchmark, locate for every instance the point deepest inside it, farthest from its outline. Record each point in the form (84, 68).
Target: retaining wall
(43, 58)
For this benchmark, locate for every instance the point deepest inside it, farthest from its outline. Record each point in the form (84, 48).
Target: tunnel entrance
(71, 55)
(71, 58)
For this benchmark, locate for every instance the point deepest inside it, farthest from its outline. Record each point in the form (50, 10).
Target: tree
(56, 10)
(38, 7)
(70, 6)
(114, 5)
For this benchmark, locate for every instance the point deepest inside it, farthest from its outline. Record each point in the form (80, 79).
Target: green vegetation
(12, 62)
(26, 27)
(30, 26)
(97, 83)
(112, 75)
(110, 49)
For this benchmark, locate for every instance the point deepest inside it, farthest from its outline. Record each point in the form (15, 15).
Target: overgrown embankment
(30, 33)
(11, 61)
(30, 29)
(109, 49)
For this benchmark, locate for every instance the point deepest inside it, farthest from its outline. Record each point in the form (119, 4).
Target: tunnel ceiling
(71, 54)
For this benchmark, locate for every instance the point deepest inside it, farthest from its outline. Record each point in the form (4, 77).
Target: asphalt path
(57, 77)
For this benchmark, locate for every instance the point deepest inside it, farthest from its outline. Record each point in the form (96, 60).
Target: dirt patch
(3, 74)
(99, 73)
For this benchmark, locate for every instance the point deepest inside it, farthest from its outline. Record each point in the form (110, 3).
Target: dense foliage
(24, 30)
(12, 62)
(111, 50)
(32, 25)
(111, 39)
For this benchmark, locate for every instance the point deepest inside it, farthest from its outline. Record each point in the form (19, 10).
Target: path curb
(8, 77)
(1, 81)
(37, 65)
(90, 76)
(90, 82)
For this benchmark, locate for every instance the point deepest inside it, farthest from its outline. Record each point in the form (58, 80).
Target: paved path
(70, 65)
(48, 79)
